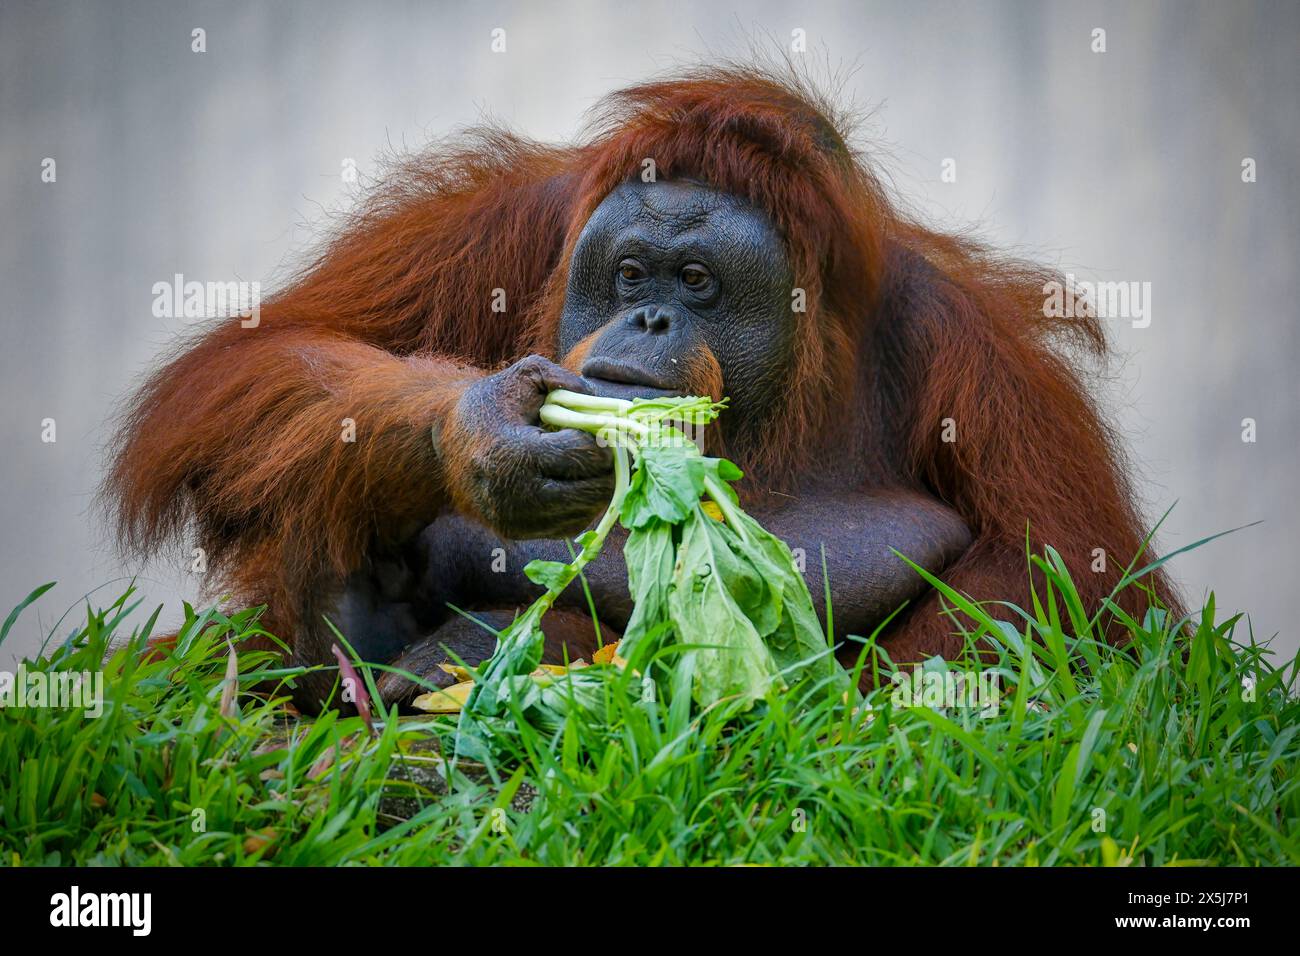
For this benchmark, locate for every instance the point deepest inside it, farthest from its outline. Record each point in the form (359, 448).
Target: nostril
(651, 319)
(660, 321)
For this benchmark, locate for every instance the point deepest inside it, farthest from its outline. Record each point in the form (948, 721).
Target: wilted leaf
(231, 689)
(711, 509)
(259, 840)
(457, 671)
(361, 697)
(448, 700)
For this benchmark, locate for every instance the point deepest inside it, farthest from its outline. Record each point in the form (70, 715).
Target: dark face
(678, 289)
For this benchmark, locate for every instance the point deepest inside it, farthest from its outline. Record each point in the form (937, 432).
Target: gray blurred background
(1123, 165)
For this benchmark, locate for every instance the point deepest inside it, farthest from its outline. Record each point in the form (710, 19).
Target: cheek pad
(753, 345)
(589, 303)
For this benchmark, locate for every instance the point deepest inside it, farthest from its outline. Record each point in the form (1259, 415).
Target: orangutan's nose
(654, 319)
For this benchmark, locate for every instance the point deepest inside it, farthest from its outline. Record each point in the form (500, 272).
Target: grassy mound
(1053, 749)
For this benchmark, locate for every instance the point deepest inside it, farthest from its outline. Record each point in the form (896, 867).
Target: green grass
(1152, 755)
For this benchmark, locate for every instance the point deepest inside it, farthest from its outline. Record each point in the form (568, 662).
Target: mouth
(613, 379)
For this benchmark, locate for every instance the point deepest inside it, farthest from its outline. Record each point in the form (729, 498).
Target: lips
(613, 379)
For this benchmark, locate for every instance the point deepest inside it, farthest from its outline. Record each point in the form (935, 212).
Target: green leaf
(13, 615)
(754, 581)
(552, 575)
(797, 643)
(650, 554)
(667, 484)
(518, 652)
(730, 656)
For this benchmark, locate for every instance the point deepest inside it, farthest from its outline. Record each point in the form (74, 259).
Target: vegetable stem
(587, 403)
(596, 541)
(725, 505)
(596, 423)
(621, 482)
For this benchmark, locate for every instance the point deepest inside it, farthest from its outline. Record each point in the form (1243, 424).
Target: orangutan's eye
(695, 276)
(631, 270)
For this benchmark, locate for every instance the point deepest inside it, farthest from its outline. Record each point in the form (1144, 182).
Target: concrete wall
(1123, 165)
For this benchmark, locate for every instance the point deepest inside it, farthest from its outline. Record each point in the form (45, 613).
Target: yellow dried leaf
(456, 671)
(259, 840)
(550, 670)
(711, 509)
(608, 654)
(448, 700)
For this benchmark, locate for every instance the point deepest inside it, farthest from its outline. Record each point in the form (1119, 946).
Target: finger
(563, 508)
(569, 454)
(573, 499)
(547, 376)
(529, 381)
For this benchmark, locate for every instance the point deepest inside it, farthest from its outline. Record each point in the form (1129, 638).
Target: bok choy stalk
(723, 588)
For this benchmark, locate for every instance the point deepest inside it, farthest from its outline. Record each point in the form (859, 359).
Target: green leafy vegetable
(725, 591)
(719, 600)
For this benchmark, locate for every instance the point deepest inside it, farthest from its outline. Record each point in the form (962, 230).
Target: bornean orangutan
(891, 387)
